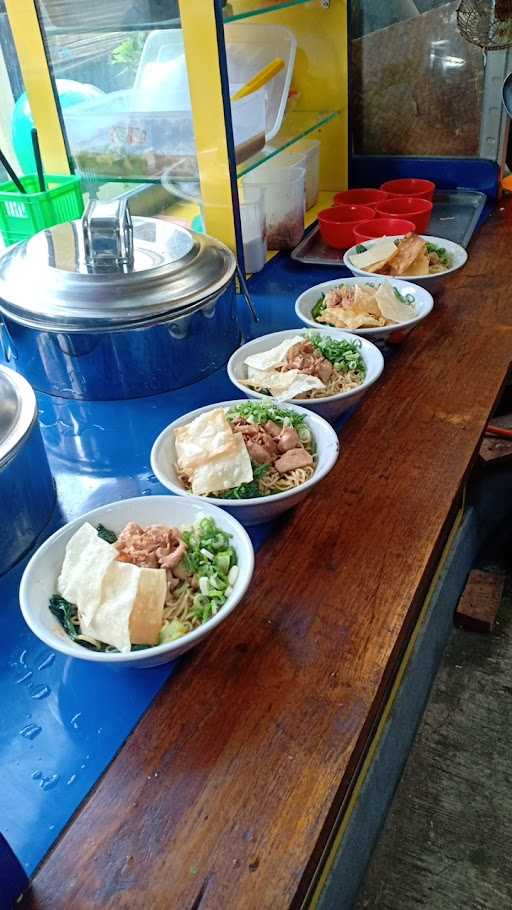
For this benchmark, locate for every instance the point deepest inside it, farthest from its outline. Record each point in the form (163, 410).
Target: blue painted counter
(63, 720)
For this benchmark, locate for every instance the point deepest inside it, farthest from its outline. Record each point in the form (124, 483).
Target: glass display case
(141, 98)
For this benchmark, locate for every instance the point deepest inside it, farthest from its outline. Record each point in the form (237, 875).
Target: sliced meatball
(294, 458)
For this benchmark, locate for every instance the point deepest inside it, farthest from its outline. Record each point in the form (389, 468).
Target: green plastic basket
(24, 214)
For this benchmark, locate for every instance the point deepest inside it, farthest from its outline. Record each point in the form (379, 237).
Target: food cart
(256, 771)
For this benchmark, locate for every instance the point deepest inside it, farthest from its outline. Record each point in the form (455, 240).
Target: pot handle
(245, 293)
(108, 235)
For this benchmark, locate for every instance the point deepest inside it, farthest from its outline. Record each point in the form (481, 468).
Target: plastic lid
(107, 272)
(17, 412)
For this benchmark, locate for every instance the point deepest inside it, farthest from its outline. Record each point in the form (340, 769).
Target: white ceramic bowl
(40, 576)
(423, 304)
(429, 282)
(329, 407)
(248, 511)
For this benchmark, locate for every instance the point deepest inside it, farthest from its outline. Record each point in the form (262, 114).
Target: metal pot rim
(103, 327)
(25, 418)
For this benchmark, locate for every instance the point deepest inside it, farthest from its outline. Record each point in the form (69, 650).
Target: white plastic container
(254, 229)
(304, 154)
(310, 149)
(284, 203)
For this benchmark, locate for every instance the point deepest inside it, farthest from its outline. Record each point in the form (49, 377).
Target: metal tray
(455, 216)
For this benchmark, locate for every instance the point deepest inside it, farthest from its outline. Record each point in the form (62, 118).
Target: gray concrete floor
(447, 841)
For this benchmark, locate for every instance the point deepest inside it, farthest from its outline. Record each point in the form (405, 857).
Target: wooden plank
(231, 783)
(480, 601)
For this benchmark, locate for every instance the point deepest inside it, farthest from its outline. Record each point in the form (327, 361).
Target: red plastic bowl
(366, 196)
(337, 224)
(382, 227)
(412, 208)
(410, 186)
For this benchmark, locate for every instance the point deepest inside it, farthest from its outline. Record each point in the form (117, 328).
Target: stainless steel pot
(110, 307)
(27, 492)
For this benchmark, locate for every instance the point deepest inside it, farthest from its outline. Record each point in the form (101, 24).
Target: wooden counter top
(226, 793)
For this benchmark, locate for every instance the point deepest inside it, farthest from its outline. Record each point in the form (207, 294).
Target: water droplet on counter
(48, 783)
(51, 827)
(71, 780)
(47, 661)
(145, 492)
(39, 691)
(36, 775)
(75, 720)
(152, 478)
(24, 678)
(23, 657)
(99, 730)
(30, 731)
(82, 767)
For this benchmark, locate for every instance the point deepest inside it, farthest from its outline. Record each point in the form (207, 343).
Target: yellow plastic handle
(265, 75)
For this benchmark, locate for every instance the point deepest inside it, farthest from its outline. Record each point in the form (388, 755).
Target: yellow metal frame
(342, 830)
(27, 36)
(202, 55)
(321, 79)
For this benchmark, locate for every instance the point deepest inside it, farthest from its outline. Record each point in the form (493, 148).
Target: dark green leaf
(105, 534)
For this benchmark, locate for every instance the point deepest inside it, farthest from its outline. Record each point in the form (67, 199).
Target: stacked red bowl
(367, 196)
(382, 227)
(337, 224)
(412, 208)
(409, 186)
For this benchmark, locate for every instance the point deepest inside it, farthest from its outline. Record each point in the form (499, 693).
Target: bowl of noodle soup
(349, 380)
(39, 581)
(272, 490)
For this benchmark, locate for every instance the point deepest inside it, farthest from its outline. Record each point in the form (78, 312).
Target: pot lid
(17, 412)
(108, 271)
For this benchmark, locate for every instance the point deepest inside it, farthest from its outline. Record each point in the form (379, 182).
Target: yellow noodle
(274, 482)
(179, 605)
(342, 382)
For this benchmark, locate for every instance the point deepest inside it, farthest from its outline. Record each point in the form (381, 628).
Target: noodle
(342, 382)
(274, 482)
(179, 605)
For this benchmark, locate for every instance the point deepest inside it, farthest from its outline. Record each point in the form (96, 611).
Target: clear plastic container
(311, 149)
(162, 76)
(250, 47)
(284, 203)
(111, 136)
(306, 154)
(254, 228)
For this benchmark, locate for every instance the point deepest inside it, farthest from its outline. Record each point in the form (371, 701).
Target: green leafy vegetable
(319, 307)
(441, 254)
(360, 248)
(67, 615)
(65, 612)
(344, 355)
(248, 490)
(259, 412)
(105, 534)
